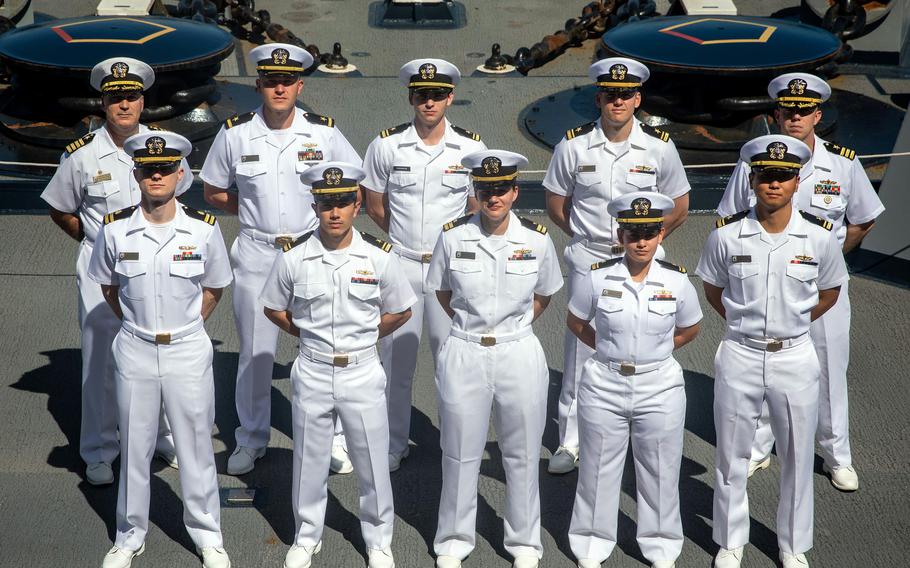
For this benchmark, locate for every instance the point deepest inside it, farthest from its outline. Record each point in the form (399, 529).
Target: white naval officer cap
(799, 90)
(640, 209)
(491, 168)
(429, 74)
(775, 151)
(618, 73)
(121, 75)
(157, 147)
(335, 181)
(280, 59)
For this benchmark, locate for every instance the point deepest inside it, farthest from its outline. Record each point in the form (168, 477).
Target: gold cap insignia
(280, 56)
(427, 71)
(618, 72)
(641, 207)
(332, 176)
(797, 86)
(777, 150)
(155, 145)
(491, 165)
(119, 70)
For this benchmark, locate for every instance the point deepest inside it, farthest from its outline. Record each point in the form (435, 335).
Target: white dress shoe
(301, 556)
(758, 465)
(167, 456)
(843, 478)
(214, 557)
(728, 557)
(663, 564)
(395, 460)
(381, 558)
(563, 461)
(340, 463)
(445, 561)
(243, 460)
(588, 563)
(788, 560)
(99, 473)
(121, 558)
(526, 562)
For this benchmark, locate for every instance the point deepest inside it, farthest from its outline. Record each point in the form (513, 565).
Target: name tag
(742, 258)
(465, 254)
(401, 168)
(583, 169)
(102, 176)
(249, 158)
(128, 256)
(612, 293)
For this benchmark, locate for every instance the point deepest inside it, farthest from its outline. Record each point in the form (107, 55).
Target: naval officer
(594, 164)
(265, 153)
(162, 268)
(632, 388)
(338, 291)
(833, 186)
(768, 271)
(95, 178)
(494, 274)
(415, 182)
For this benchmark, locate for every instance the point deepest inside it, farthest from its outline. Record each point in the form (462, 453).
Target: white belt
(339, 359)
(163, 338)
(275, 240)
(769, 344)
(413, 254)
(491, 340)
(603, 246)
(628, 369)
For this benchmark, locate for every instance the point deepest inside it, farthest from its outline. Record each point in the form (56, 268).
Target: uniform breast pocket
(521, 278)
(661, 317)
(403, 182)
(586, 180)
(832, 206)
(251, 178)
(364, 292)
(743, 280)
(307, 298)
(103, 191)
(133, 279)
(802, 272)
(465, 277)
(456, 183)
(641, 181)
(185, 277)
(609, 315)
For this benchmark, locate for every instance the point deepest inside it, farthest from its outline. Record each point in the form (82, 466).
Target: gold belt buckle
(340, 361)
(163, 338)
(427, 256)
(626, 369)
(282, 240)
(488, 341)
(774, 346)
(617, 249)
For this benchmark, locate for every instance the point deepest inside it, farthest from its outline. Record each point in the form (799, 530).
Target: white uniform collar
(313, 246)
(636, 136)
(137, 221)
(750, 225)
(821, 158)
(410, 138)
(474, 230)
(300, 125)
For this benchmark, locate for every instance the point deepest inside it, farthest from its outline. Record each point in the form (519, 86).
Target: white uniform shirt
(267, 167)
(770, 287)
(635, 321)
(96, 179)
(336, 300)
(426, 187)
(831, 186)
(493, 280)
(586, 169)
(161, 282)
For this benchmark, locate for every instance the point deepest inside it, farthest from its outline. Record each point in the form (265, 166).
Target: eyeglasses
(778, 175)
(116, 98)
(420, 97)
(164, 169)
(270, 82)
(610, 96)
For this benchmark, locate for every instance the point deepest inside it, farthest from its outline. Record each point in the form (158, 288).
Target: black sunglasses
(641, 234)
(116, 98)
(329, 203)
(420, 97)
(488, 192)
(610, 96)
(778, 175)
(165, 169)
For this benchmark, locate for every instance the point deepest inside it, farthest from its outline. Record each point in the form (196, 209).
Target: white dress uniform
(162, 353)
(426, 187)
(770, 285)
(834, 187)
(95, 178)
(592, 171)
(632, 388)
(336, 299)
(275, 208)
(492, 361)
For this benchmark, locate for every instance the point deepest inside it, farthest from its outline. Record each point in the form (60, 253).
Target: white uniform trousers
(180, 375)
(831, 336)
(511, 380)
(354, 394)
(787, 381)
(651, 409)
(399, 351)
(98, 441)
